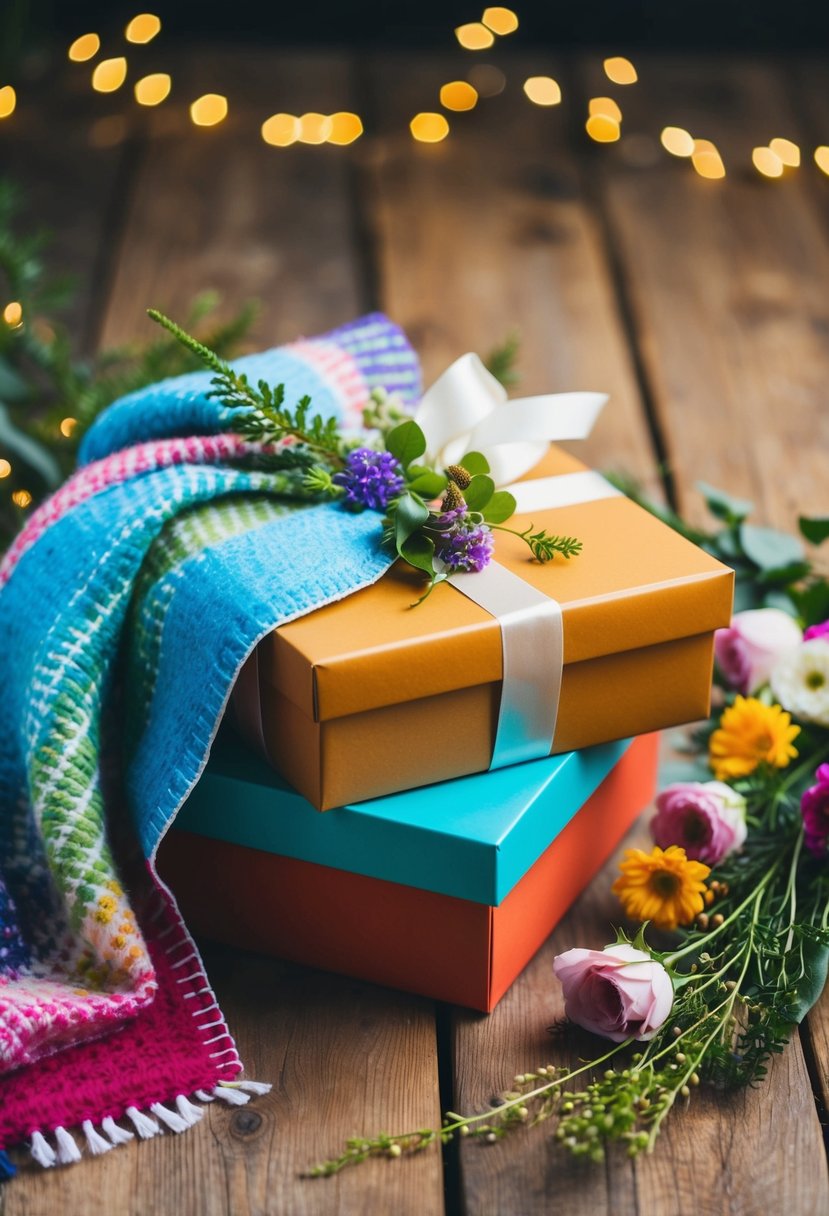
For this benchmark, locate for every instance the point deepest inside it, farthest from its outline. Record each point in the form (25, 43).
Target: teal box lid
(474, 837)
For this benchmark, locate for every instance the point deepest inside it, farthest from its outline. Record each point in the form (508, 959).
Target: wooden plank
(491, 231)
(726, 282)
(218, 208)
(344, 1058)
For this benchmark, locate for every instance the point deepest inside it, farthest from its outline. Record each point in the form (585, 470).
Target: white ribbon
(467, 410)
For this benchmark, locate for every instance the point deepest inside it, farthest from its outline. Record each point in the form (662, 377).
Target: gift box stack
(436, 785)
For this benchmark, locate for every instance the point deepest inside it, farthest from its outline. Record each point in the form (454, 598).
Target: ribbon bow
(467, 409)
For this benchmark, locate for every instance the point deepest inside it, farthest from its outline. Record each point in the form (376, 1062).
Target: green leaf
(811, 983)
(479, 492)
(815, 529)
(475, 462)
(500, 507)
(732, 510)
(409, 515)
(768, 549)
(419, 551)
(784, 576)
(813, 602)
(775, 598)
(406, 442)
(429, 484)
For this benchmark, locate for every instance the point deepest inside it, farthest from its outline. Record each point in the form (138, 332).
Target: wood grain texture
(492, 232)
(344, 1058)
(727, 283)
(218, 208)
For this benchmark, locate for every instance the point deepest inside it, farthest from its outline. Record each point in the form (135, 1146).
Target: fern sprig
(264, 417)
(545, 545)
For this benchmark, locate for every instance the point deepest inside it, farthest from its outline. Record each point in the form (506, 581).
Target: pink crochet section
(341, 372)
(177, 1044)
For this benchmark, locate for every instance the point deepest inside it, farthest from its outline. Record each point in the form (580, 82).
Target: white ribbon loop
(466, 409)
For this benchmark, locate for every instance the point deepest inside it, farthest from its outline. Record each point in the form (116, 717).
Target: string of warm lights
(603, 121)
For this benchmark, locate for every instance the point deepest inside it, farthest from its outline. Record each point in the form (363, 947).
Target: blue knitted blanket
(156, 569)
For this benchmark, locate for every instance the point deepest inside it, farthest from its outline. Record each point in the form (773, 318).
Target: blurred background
(629, 196)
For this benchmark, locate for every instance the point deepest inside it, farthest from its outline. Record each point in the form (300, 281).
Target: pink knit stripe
(120, 466)
(341, 372)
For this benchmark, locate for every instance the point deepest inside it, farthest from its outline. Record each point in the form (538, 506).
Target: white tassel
(97, 1144)
(254, 1087)
(42, 1151)
(233, 1097)
(188, 1111)
(169, 1118)
(116, 1134)
(143, 1124)
(68, 1151)
(204, 1096)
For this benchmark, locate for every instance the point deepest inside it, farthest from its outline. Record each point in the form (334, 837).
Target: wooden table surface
(700, 306)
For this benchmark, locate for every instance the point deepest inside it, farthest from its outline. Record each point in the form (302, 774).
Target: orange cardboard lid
(637, 583)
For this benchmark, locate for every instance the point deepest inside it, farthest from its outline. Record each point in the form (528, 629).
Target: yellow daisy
(663, 887)
(750, 734)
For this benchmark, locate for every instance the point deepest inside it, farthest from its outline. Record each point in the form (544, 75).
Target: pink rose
(749, 648)
(619, 992)
(816, 631)
(707, 819)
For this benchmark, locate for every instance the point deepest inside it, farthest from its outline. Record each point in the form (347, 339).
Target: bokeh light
(706, 159)
(13, 314)
(280, 130)
(788, 152)
(606, 106)
(67, 426)
(85, 47)
(5, 468)
(767, 162)
(142, 28)
(8, 100)
(429, 128)
(22, 498)
(822, 158)
(345, 128)
(474, 36)
(314, 128)
(153, 89)
(620, 70)
(677, 141)
(208, 110)
(458, 95)
(603, 129)
(542, 90)
(109, 74)
(500, 20)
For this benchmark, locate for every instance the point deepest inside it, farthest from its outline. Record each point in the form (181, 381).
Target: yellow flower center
(815, 679)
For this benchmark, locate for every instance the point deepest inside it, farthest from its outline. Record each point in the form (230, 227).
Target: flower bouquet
(729, 946)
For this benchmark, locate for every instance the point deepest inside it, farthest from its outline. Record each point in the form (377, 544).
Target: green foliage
(406, 442)
(501, 363)
(43, 380)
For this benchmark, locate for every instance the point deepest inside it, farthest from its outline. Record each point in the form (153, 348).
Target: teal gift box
(482, 866)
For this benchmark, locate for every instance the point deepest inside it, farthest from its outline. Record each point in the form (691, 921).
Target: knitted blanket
(128, 604)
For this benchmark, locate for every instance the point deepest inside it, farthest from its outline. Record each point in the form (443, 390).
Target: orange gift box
(421, 941)
(367, 696)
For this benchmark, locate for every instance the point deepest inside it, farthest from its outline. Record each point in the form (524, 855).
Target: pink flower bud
(747, 651)
(707, 819)
(619, 992)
